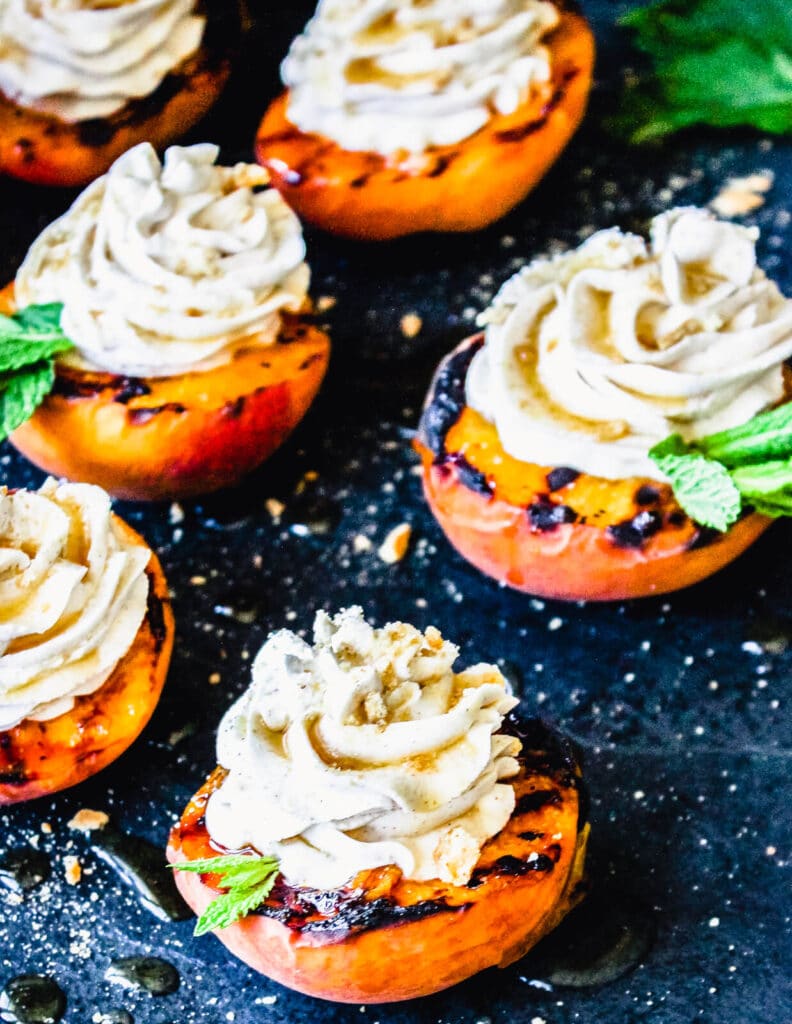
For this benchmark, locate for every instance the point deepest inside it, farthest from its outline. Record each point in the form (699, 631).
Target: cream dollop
(73, 593)
(365, 750)
(164, 268)
(81, 59)
(594, 356)
(384, 76)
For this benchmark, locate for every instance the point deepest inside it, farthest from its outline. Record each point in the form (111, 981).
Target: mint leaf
(766, 436)
(29, 341)
(702, 487)
(248, 880)
(22, 393)
(767, 486)
(717, 62)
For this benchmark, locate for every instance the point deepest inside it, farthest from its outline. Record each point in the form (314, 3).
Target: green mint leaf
(766, 436)
(248, 880)
(21, 393)
(767, 486)
(32, 334)
(717, 62)
(703, 488)
(233, 905)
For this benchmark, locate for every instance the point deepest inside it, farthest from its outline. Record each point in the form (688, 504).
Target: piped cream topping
(594, 356)
(362, 750)
(384, 76)
(73, 593)
(83, 59)
(164, 268)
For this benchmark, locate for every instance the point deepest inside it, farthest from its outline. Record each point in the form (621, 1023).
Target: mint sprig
(717, 62)
(29, 341)
(247, 879)
(716, 477)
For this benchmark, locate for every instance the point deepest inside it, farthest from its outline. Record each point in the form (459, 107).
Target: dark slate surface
(678, 703)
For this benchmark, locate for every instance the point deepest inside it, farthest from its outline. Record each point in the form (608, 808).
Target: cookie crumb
(86, 820)
(742, 195)
(176, 514)
(214, 678)
(274, 507)
(361, 543)
(411, 325)
(394, 547)
(198, 581)
(46, 828)
(325, 303)
(71, 870)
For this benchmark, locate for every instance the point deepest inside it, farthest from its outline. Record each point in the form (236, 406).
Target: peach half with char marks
(460, 185)
(193, 361)
(45, 144)
(69, 712)
(536, 434)
(416, 905)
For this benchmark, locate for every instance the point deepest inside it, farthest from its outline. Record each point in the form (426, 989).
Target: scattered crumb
(214, 678)
(742, 195)
(361, 543)
(176, 514)
(258, 561)
(46, 828)
(274, 507)
(86, 820)
(180, 734)
(198, 581)
(394, 547)
(411, 325)
(72, 870)
(325, 303)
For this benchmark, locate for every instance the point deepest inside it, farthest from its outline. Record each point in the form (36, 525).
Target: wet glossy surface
(679, 703)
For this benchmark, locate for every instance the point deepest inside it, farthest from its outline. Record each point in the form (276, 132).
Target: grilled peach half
(172, 437)
(462, 187)
(44, 150)
(41, 758)
(385, 938)
(552, 531)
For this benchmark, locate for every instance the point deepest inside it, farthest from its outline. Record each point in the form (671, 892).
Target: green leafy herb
(248, 881)
(717, 62)
(715, 478)
(29, 341)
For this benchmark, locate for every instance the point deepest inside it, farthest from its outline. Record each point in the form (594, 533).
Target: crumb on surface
(46, 828)
(394, 547)
(274, 507)
(742, 195)
(325, 303)
(214, 678)
(361, 543)
(72, 871)
(411, 325)
(86, 820)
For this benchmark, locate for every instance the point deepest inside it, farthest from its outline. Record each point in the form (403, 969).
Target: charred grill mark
(129, 388)
(306, 363)
(702, 538)
(234, 409)
(561, 477)
(522, 131)
(138, 417)
(544, 516)
(442, 163)
(15, 776)
(337, 914)
(155, 614)
(77, 387)
(530, 837)
(633, 533)
(647, 495)
(530, 803)
(448, 399)
(468, 475)
(513, 867)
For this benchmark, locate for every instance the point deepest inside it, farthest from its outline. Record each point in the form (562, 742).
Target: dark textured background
(678, 703)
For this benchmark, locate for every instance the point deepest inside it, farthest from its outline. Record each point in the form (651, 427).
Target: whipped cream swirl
(365, 750)
(73, 593)
(164, 268)
(81, 59)
(384, 76)
(594, 356)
